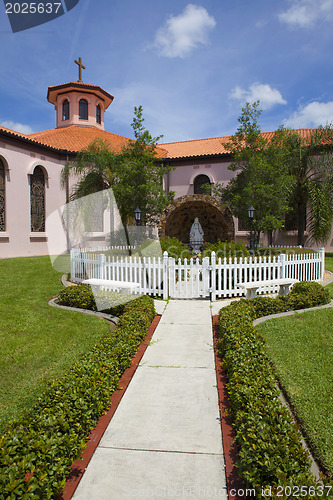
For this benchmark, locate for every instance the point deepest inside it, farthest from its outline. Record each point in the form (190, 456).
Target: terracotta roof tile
(208, 147)
(75, 138)
(13, 132)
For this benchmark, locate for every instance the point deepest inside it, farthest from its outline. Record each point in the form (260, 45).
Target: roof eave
(26, 140)
(196, 157)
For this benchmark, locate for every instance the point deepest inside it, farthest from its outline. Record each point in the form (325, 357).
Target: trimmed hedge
(270, 449)
(225, 249)
(36, 451)
(82, 297)
(175, 248)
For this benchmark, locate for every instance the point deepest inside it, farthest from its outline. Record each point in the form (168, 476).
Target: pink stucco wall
(19, 163)
(181, 182)
(74, 98)
(20, 159)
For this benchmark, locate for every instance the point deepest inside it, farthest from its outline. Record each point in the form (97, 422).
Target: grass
(37, 341)
(329, 267)
(301, 350)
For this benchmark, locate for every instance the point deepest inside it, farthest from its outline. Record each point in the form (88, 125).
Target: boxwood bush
(175, 248)
(36, 451)
(226, 249)
(82, 297)
(270, 449)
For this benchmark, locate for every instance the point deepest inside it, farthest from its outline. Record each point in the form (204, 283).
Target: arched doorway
(199, 182)
(215, 218)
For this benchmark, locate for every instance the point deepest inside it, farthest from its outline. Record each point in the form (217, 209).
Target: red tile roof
(13, 132)
(212, 146)
(55, 90)
(76, 138)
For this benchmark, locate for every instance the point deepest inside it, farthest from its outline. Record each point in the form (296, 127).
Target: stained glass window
(98, 114)
(2, 198)
(37, 200)
(83, 109)
(65, 110)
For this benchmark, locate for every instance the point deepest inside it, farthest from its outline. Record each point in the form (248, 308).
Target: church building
(30, 168)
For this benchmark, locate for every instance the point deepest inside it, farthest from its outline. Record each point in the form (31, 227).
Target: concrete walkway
(164, 440)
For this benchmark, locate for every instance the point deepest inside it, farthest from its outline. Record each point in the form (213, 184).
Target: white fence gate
(215, 278)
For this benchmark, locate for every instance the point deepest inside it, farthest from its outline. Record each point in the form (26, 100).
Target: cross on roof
(81, 67)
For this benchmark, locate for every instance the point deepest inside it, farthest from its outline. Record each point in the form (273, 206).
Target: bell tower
(78, 103)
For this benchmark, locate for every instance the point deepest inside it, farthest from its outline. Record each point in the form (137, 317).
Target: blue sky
(191, 65)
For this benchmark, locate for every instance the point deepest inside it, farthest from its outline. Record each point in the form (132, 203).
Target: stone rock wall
(215, 218)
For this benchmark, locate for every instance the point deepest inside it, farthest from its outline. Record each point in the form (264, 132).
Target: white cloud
(313, 114)
(262, 92)
(182, 34)
(165, 113)
(18, 127)
(305, 13)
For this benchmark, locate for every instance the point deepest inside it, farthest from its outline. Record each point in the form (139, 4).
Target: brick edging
(79, 466)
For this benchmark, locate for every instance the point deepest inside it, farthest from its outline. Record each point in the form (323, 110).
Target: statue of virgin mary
(196, 236)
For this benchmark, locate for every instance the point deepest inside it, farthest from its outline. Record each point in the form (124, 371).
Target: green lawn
(301, 349)
(37, 341)
(329, 267)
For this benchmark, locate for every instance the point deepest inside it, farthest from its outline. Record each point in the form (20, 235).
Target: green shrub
(36, 451)
(310, 293)
(270, 449)
(175, 248)
(303, 295)
(80, 296)
(225, 249)
(263, 306)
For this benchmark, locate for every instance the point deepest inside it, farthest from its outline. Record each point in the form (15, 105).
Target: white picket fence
(214, 278)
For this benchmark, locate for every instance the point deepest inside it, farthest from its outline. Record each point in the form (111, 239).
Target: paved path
(164, 440)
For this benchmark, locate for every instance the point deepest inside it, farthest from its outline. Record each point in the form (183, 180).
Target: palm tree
(310, 163)
(94, 168)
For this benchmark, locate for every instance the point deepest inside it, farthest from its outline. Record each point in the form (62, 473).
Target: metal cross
(81, 67)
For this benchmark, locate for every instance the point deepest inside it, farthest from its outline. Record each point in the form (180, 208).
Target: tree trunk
(270, 238)
(301, 224)
(127, 239)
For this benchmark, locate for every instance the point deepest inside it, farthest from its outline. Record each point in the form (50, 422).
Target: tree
(310, 163)
(281, 174)
(262, 175)
(94, 168)
(139, 179)
(135, 174)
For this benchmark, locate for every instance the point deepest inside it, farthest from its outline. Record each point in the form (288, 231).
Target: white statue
(196, 236)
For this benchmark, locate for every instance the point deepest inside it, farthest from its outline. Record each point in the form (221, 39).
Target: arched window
(199, 182)
(83, 109)
(37, 200)
(98, 114)
(65, 110)
(2, 197)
